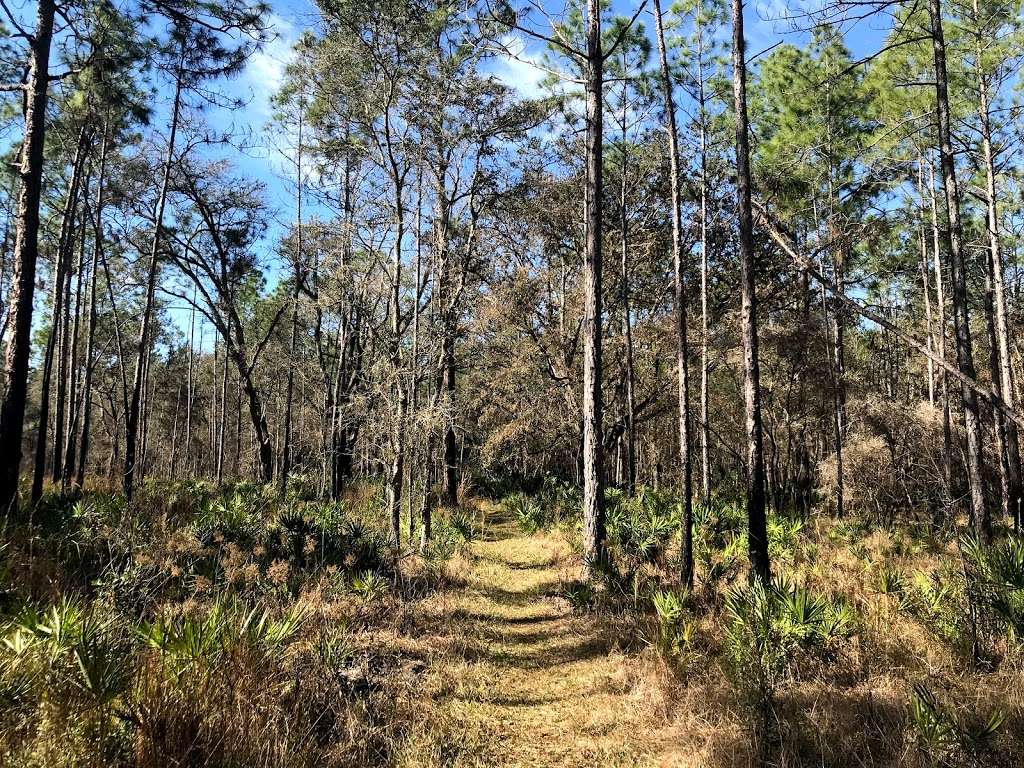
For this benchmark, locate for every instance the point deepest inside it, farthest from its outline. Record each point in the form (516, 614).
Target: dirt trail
(520, 681)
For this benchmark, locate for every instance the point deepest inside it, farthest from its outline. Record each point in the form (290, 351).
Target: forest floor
(516, 678)
(488, 651)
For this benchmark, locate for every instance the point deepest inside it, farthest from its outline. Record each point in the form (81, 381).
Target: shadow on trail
(511, 635)
(512, 700)
(532, 595)
(546, 657)
(543, 686)
(515, 565)
(463, 615)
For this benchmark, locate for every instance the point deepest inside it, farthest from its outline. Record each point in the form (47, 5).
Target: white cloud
(519, 68)
(264, 73)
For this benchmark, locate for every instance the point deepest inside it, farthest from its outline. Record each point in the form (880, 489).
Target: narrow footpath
(518, 680)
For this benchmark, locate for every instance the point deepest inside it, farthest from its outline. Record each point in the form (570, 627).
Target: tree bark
(398, 390)
(838, 334)
(286, 453)
(190, 385)
(142, 347)
(940, 301)
(1002, 370)
(593, 445)
(682, 342)
(451, 453)
(62, 258)
(756, 517)
(26, 253)
(705, 342)
(627, 312)
(63, 363)
(222, 421)
(90, 345)
(74, 403)
(414, 383)
(257, 414)
(926, 283)
(961, 313)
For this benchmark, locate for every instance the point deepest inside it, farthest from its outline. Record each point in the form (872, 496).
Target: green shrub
(768, 625)
(717, 523)
(61, 671)
(528, 512)
(640, 529)
(891, 582)
(302, 487)
(943, 736)
(579, 594)
(563, 499)
(995, 576)
(783, 534)
(187, 642)
(462, 524)
(675, 631)
(370, 586)
(977, 605)
(235, 518)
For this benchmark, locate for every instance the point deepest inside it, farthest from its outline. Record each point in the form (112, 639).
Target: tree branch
(776, 232)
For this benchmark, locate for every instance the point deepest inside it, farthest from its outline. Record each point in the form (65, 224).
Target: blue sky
(765, 21)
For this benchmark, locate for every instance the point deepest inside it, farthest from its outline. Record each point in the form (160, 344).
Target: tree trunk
(63, 363)
(682, 342)
(705, 342)
(838, 337)
(940, 301)
(398, 390)
(238, 427)
(926, 283)
(1002, 370)
(63, 256)
(961, 314)
(451, 453)
(627, 314)
(90, 345)
(222, 422)
(257, 415)
(190, 386)
(286, 453)
(414, 384)
(26, 252)
(446, 313)
(1006, 473)
(593, 445)
(756, 518)
(74, 404)
(147, 386)
(142, 347)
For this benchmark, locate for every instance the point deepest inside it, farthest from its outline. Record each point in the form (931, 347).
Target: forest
(511, 383)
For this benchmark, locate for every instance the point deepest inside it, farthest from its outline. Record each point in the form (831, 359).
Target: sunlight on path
(521, 682)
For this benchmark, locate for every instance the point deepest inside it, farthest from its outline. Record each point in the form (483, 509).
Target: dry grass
(516, 679)
(479, 660)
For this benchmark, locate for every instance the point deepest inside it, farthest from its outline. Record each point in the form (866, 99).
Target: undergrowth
(206, 626)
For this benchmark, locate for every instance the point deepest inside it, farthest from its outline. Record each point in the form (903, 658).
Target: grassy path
(516, 679)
